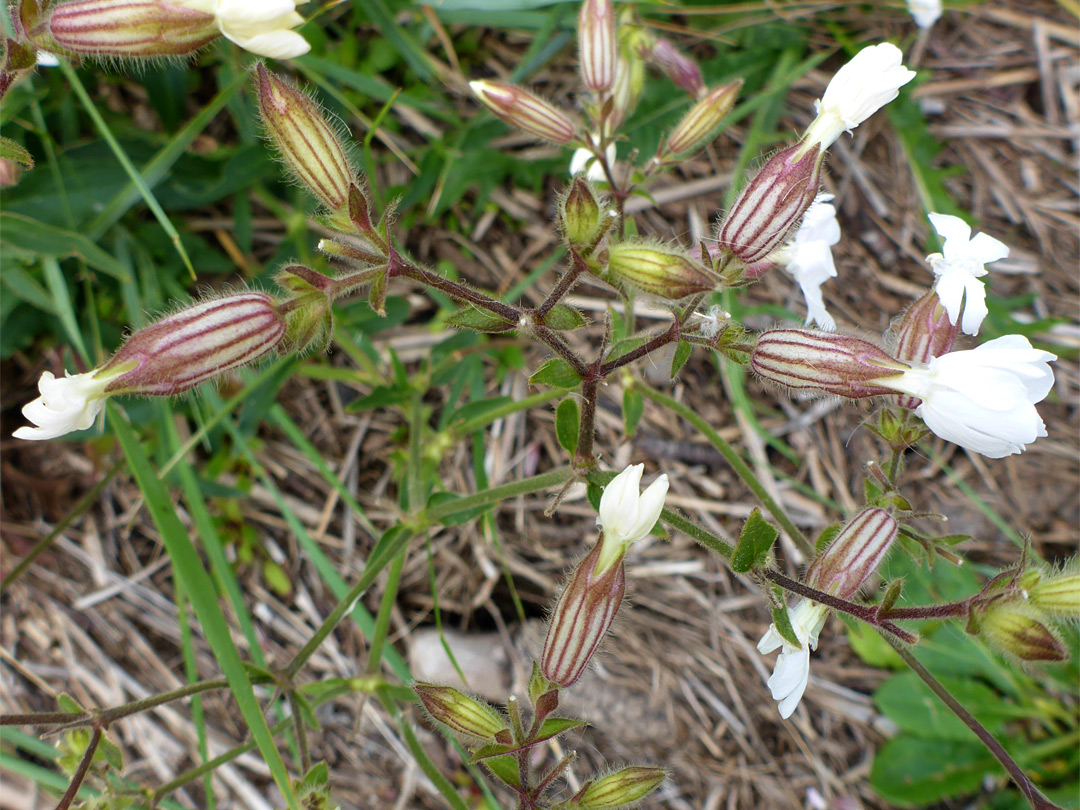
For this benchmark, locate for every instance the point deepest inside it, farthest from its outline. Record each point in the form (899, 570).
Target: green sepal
(9, 150)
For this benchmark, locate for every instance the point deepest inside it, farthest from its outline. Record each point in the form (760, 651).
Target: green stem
(80, 774)
(382, 620)
(741, 468)
(300, 732)
(85, 502)
(523, 404)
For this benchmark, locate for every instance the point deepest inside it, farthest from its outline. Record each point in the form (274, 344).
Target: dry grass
(680, 682)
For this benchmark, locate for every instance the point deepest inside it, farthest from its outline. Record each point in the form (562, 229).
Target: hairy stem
(584, 456)
(1032, 794)
(80, 774)
(565, 283)
(669, 335)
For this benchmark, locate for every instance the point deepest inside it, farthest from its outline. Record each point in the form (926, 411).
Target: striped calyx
(854, 554)
(520, 108)
(129, 28)
(699, 124)
(771, 205)
(923, 334)
(581, 618)
(180, 351)
(1016, 628)
(658, 270)
(822, 361)
(677, 66)
(461, 713)
(308, 144)
(597, 46)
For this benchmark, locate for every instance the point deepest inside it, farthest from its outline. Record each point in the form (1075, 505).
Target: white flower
(260, 26)
(626, 513)
(858, 90)
(960, 267)
(808, 258)
(584, 160)
(983, 399)
(46, 59)
(925, 12)
(65, 405)
(792, 671)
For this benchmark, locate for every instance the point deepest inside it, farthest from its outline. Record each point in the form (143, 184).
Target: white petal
(275, 45)
(789, 679)
(984, 248)
(650, 505)
(619, 503)
(974, 305)
(950, 289)
(951, 228)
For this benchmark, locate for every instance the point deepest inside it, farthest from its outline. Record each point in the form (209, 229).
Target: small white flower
(983, 399)
(959, 267)
(809, 260)
(65, 405)
(859, 89)
(584, 160)
(626, 513)
(792, 671)
(260, 26)
(711, 321)
(925, 12)
(46, 59)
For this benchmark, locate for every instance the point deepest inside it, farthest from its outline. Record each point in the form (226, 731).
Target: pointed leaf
(633, 407)
(563, 318)
(566, 424)
(682, 354)
(557, 373)
(479, 321)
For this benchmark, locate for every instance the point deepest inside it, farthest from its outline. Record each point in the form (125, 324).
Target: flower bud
(460, 712)
(821, 361)
(309, 146)
(625, 95)
(677, 66)
(658, 270)
(523, 110)
(854, 554)
(581, 618)
(771, 205)
(132, 28)
(596, 44)
(924, 333)
(1016, 629)
(619, 789)
(180, 351)
(580, 214)
(1058, 594)
(698, 125)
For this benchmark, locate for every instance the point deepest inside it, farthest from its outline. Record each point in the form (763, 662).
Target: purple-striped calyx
(923, 334)
(526, 111)
(597, 45)
(126, 28)
(162, 359)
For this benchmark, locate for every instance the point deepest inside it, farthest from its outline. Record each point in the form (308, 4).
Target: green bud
(460, 712)
(1015, 628)
(581, 214)
(620, 789)
(658, 270)
(1058, 594)
(698, 125)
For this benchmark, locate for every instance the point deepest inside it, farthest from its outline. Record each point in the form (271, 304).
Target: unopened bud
(771, 205)
(1058, 594)
(677, 66)
(580, 214)
(596, 44)
(180, 351)
(658, 270)
(460, 712)
(923, 334)
(309, 145)
(523, 110)
(619, 789)
(1016, 629)
(822, 361)
(854, 554)
(581, 619)
(625, 95)
(129, 28)
(698, 125)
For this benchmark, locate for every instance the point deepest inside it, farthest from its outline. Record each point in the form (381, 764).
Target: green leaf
(682, 354)
(828, 534)
(381, 396)
(909, 703)
(755, 543)
(566, 424)
(557, 373)
(456, 518)
(505, 767)
(22, 234)
(9, 150)
(623, 346)
(554, 726)
(633, 408)
(203, 597)
(783, 624)
(913, 771)
(563, 318)
(479, 320)
(276, 578)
